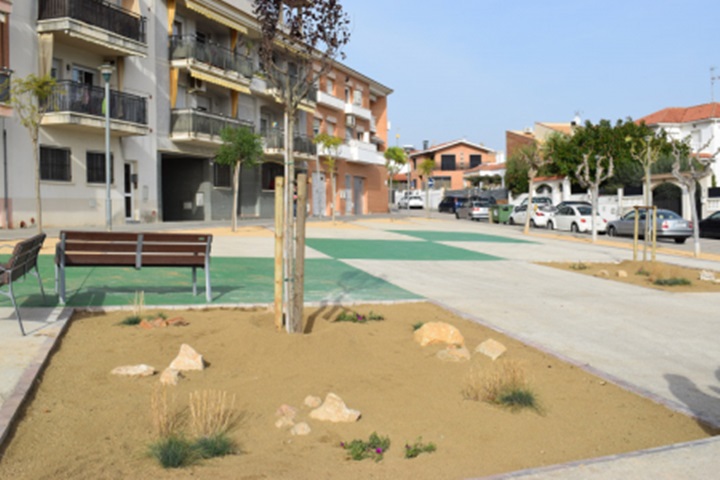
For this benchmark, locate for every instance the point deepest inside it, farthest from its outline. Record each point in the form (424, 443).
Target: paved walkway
(658, 344)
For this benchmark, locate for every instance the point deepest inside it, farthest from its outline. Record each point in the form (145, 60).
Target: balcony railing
(275, 140)
(187, 47)
(5, 79)
(99, 13)
(76, 97)
(191, 122)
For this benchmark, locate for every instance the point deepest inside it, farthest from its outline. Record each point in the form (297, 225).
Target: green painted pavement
(434, 236)
(233, 280)
(392, 250)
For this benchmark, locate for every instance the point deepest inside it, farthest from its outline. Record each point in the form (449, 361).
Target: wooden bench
(124, 249)
(22, 261)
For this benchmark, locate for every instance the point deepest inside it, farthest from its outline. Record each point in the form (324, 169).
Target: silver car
(477, 208)
(669, 225)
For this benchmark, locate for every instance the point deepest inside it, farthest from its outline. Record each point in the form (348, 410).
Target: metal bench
(125, 249)
(22, 261)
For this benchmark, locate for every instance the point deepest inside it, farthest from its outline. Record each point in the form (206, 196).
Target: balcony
(201, 128)
(5, 82)
(358, 152)
(211, 62)
(263, 86)
(358, 111)
(330, 101)
(79, 106)
(274, 140)
(103, 27)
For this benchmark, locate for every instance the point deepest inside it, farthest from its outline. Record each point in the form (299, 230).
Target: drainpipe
(5, 175)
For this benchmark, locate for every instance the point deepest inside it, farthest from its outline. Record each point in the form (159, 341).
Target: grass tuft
(672, 282)
(418, 326)
(353, 317)
(504, 383)
(211, 413)
(374, 448)
(414, 450)
(131, 320)
(165, 419)
(217, 445)
(173, 452)
(578, 266)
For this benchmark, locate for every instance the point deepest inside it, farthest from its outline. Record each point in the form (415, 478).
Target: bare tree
(30, 98)
(535, 158)
(696, 168)
(300, 40)
(592, 176)
(426, 167)
(395, 158)
(331, 144)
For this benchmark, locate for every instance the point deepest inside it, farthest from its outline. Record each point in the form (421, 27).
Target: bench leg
(61, 284)
(194, 277)
(208, 292)
(17, 310)
(37, 274)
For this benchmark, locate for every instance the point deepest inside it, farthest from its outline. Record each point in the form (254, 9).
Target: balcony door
(129, 180)
(83, 75)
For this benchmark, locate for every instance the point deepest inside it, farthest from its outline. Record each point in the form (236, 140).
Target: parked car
(476, 208)
(412, 201)
(450, 204)
(573, 202)
(710, 226)
(669, 225)
(576, 218)
(539, 218)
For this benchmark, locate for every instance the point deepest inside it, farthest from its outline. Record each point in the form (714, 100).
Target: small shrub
(518, 398)
(375, 316)
(173, 452)
(412, 451)
(578, 266)
(504, 384)
(165, 420)
(211, 413)
(643, 272)
(374, 448)
(358, 318)
(418, 326)
(217, 445)
(672, 282)
(131, 320)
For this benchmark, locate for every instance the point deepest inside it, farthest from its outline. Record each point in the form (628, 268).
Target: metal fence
(5, 80)
(275, 139)
(99, 13)
(77, 97)
(193, 122)
(187, 46)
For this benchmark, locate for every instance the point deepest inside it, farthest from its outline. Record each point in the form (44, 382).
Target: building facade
(452, 161)
(182, 70)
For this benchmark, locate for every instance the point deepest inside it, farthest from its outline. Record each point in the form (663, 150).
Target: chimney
(426, 144)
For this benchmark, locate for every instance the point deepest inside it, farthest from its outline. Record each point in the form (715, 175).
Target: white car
(413, 201)
(576, 218)
(539, 217)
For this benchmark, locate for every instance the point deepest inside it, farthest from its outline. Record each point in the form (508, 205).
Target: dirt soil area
(84, 422)
(645, 274)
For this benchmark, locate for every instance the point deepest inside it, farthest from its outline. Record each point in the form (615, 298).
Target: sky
(474, 69)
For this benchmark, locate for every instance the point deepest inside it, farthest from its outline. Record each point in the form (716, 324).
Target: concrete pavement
(659, 344)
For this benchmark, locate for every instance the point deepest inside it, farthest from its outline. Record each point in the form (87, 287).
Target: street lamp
(106, 70)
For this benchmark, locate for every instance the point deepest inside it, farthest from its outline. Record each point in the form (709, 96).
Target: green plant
(578, 266)
(418, 325)
(358, 318)
(374, 448)
(217, 445)
(503, 384)
(412, 451)
(643, 272)
(173, 452)
(518, 398)
(672, 282)
(131, 320)
(211, 413)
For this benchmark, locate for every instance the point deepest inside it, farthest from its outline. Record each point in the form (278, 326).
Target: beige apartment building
(181, 71)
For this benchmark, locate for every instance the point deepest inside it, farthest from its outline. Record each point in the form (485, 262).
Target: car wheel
(680, 240)
(550, 226)
(511, 221)
(611, 232)
(574, 228)
(532, 223)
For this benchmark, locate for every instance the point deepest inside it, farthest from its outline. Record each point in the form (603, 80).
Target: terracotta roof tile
(682, 114)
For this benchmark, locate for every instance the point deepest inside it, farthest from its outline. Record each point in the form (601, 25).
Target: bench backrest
(133, 249)
(23, 259)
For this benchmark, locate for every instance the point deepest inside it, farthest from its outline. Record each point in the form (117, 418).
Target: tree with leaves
(241, 146)
(426, 168)
(300, 40)
(698, 166)
(331, 144)
(30, 98)
(395, 158)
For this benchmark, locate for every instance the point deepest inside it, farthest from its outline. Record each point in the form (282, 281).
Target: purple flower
(342, 444)
(378, 450)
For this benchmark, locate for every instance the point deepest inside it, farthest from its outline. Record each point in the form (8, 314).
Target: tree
(395, 158)
(698, 167)
(331, 144)
(534, 157)
(300, 40)
(590, 174)
(30, 98)
(241, 146)
(516, 174)
(426, 168)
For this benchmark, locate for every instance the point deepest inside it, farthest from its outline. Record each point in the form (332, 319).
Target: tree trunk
(38, 197)
(236, 188)
(427, 198)
(333, 186)
(694, 216)
(299, 302)
(279, 202)
(529, 209)
(289, 227)
(595, 193)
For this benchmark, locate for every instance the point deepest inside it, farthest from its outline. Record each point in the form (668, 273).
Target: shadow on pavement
(705, 408)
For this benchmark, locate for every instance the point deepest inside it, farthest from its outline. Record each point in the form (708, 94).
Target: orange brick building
(452, 161)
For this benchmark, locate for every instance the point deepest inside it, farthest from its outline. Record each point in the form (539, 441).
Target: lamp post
(106, 71)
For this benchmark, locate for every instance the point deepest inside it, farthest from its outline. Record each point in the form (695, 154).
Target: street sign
(431, 182)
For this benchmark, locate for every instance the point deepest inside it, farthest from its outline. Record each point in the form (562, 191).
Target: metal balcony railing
(99, 13)
(70, 96)
(190, 121)
(275, 140)
(187, 46)
(5, 81)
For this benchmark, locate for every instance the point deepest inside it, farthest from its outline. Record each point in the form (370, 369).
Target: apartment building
(181, 71)
(452, 161)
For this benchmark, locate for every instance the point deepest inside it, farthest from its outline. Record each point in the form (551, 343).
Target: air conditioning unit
(350, 120)
(196, 85)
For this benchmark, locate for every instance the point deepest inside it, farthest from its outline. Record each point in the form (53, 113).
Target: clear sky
(476, 68)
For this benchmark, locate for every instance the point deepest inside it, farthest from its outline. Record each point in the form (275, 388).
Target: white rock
(334, 410)
(170, 376)
(284, 422)
(453, 353)
(312, 401)
(188, 359)
(438, 332)
(491, 348)
(301, 428)
(707, 276)
(141, 370)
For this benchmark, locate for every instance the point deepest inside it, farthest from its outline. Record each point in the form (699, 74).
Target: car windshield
(667, 214)
(584, 210)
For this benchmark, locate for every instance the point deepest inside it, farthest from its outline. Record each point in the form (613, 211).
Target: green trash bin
(504, 212)
(494, 213)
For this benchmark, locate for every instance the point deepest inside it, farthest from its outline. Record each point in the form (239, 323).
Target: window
(95, 167)
(269, 172)
(475, 160)
(55, 164)
(316, 125)
(357, 100)
(347, 94)
(329, 86)
(83, 75)
(221, 175)
(330, 128)
(447, 162)
(349, 133)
